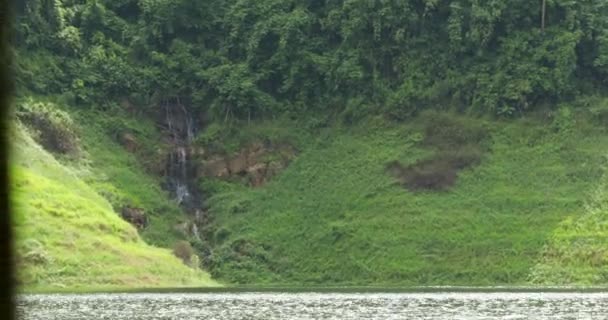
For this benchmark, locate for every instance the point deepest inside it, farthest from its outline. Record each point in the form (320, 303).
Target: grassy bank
(68, 236)
(123, 177)
(473, 202)
(577, 249)
(335, 216)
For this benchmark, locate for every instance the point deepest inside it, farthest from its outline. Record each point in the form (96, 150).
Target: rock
(135, 216)
(257, 163)
(274, 168)
(238, 164)
(255, 152)
(257, 174)
(129, 142)
(215, 167)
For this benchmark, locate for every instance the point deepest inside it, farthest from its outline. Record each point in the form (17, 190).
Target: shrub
(183, 250)
(221, 235)
(51, 127)
(34, 253)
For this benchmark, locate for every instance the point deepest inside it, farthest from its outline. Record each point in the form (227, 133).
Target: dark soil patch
(459, 144)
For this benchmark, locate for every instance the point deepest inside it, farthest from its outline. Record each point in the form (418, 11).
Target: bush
(184, 251)
(52, 128)
(34, 253)
(221, 235)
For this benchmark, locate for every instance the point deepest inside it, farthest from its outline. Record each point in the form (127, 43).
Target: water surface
(270, 306)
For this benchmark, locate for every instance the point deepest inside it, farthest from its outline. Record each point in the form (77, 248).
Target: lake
(310, 305)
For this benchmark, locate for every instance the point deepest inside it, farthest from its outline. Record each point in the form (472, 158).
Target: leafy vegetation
(125, 180)
(242, 59)
(60, 221)
(184, 251)
(336, 217)
(52, 127)
(491, 114)
(576, 252)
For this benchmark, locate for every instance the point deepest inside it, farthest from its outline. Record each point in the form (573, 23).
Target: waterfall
(181, 170)
(195, 232)
(179, 175)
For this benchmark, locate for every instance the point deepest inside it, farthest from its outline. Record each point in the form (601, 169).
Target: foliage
(60, 220)
(242, 59)
(334, 217)
(575, 253)
(184, 251)
(284, 70)
(130, 179)
(51, 127)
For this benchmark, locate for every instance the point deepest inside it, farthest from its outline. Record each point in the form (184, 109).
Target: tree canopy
(243, 58)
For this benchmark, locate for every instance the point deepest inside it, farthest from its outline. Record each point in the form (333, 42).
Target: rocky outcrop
(135, 216)
(256, 163)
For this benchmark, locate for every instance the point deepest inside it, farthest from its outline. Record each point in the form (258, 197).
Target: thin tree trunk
(543, 15)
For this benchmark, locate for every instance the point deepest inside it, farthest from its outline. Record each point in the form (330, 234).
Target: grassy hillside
(510, 202)
(122, 177)
(69, 236)
(335, 216)
(577, 251)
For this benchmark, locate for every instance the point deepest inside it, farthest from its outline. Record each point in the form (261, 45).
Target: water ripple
(270, 306)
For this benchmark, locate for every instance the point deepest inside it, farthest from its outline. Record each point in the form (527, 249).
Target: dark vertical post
(6, 262)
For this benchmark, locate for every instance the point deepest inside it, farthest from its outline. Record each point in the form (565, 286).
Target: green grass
(531, 213)
(577, 252)
(121, 176)
(336, 217)
(68, 236)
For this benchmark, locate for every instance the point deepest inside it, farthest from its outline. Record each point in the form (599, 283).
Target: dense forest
(243, 59)
(291, 142)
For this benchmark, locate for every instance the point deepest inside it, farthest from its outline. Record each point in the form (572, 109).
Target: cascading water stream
(181, 177)
(180, 169)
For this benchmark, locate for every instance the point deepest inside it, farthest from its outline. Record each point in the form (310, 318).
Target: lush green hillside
(316, 142)
(70, 236)
(335, 216)
(529, 211)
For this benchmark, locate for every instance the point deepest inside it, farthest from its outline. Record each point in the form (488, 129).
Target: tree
(543, 15)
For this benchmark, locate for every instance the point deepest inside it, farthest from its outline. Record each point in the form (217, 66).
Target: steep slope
(335, 216)
(577, 252)
(69, 236)
(124, 177)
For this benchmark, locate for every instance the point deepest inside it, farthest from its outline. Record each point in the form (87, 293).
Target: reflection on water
(270, 306)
